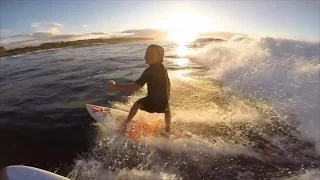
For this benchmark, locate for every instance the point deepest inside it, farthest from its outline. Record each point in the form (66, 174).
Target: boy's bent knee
(136, 104)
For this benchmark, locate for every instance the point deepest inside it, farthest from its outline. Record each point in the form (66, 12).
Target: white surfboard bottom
(100, 113)
(19, 172)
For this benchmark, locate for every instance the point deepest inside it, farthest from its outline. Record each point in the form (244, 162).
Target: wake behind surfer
(158, 83)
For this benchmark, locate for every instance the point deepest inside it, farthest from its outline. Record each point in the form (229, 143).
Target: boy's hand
(122, 87)
(111, 85)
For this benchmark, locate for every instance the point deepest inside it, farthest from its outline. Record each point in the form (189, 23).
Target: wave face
(286, 72)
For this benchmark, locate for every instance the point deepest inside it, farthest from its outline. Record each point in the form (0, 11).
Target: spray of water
(285, 72)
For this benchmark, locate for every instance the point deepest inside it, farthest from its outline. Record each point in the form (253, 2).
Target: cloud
(5, 30)
(39, 25)
(40, 37)
(66, 36)
(149, 33)
(20, 36)
(222, 35)
(99, 33)
(84, 26)
(47, 27)
(162, 34)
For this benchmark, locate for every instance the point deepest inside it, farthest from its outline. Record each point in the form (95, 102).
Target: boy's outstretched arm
(132, 86)
(122, 87)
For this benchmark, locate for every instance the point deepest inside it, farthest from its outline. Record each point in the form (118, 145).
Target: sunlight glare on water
(182, 74)
(182, 50)
(182, 62)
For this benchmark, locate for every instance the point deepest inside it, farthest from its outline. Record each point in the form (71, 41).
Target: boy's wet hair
(159, 49)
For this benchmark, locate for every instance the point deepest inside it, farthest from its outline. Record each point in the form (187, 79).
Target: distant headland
(54, 45)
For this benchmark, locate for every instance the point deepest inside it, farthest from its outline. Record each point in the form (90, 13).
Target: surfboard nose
(88, 107)
(97, 112)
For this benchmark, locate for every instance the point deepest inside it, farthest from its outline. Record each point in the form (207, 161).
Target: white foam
(201, 147)
(95, 171)
(312, 174)
(285, 71)
(211, 116)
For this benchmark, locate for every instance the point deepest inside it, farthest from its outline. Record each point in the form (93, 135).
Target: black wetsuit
(158, 82)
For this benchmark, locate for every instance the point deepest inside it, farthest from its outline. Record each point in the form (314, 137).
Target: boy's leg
(167, 118)
(133, 111)
(139, 104)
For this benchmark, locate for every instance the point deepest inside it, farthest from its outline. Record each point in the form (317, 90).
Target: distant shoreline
(62, 44)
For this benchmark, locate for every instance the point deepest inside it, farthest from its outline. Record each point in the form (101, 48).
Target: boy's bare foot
(123, 128)
(166, 133)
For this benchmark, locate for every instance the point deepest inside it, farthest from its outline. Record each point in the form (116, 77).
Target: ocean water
(250, 108)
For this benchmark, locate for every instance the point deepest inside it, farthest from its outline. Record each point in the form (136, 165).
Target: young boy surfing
(158, 82)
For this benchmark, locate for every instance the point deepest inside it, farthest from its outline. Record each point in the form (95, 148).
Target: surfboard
(100, 113)
(19, 172)
(138, 130)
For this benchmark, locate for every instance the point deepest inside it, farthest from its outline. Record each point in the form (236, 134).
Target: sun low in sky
(28, 22)
(183, 26)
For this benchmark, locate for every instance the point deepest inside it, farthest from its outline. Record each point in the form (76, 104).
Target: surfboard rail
(21, 172)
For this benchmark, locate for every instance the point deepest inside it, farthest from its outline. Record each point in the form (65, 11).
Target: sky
(41, 20)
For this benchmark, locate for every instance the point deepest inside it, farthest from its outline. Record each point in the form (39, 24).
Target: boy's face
(151, 56)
